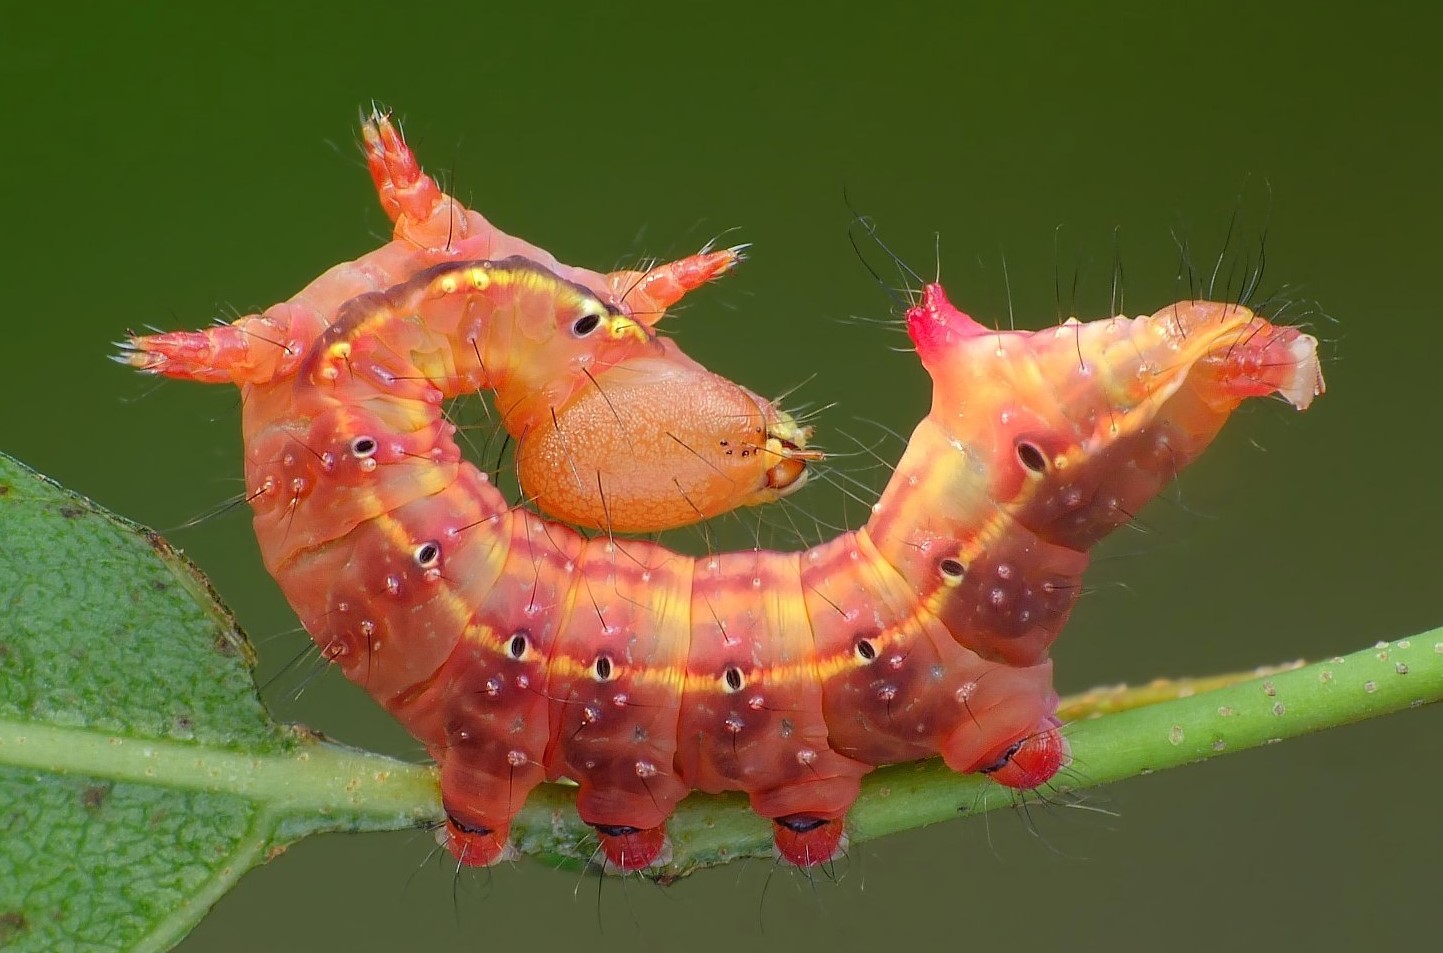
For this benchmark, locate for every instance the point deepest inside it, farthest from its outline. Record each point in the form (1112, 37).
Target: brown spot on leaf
(71, 512)
(94, 796)
(4, 488)
(12, 924)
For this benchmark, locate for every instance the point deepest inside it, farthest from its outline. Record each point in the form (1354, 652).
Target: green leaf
(140, 775)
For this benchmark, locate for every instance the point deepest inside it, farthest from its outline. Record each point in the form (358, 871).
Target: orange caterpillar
(518, 650)
(557, 387)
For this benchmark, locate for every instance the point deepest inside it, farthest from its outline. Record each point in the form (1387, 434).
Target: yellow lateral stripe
(910, 626)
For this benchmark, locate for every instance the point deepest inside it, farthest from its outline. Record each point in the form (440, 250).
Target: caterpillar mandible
(550, 383)
(518, 650)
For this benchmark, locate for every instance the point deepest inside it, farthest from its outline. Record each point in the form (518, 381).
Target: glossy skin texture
(660, 443)
(547, 385)
(518, 650)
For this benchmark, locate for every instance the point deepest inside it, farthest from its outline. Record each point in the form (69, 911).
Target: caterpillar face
(659, 443)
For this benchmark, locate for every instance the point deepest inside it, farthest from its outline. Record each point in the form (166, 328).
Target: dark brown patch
(4, 488)
(71, 512)
(12, 924)
(94, 796)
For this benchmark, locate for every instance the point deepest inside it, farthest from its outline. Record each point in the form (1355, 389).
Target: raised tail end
(1246, 355)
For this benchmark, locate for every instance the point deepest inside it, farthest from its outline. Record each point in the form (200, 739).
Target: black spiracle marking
(1031, 457)
(586, 324)
(801, 823)
(465, 828)
(1001, 762)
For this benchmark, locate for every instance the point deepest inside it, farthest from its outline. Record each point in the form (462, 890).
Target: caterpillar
(556, 387)
(518, 649)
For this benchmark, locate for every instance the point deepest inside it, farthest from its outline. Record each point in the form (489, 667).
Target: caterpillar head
(658, 443)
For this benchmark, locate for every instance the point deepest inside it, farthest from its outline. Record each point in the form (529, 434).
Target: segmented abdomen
(517, 650)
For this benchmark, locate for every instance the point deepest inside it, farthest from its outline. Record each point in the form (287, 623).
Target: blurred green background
(163, 166)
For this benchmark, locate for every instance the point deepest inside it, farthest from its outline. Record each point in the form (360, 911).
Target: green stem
(375, 793)
(309, 779)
